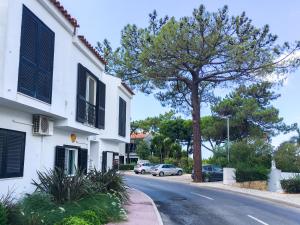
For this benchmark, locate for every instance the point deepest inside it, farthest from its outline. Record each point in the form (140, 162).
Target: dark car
(211, 173)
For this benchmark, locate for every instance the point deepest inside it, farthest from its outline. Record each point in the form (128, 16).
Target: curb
(160, 222)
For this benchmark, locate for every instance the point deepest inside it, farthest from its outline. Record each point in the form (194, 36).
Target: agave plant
(62, 186)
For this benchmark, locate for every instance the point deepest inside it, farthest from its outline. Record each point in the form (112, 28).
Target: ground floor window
(12, 149)
(71, 162)
(71, 158)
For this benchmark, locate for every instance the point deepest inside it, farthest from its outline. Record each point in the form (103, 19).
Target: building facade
(58, 108)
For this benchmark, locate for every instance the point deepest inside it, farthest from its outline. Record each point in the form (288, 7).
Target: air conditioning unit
(42, 125)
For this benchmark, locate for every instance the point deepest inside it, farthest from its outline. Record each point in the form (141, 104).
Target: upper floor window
(12, 148)
(36, 58)
(122, 117)
(90, 99)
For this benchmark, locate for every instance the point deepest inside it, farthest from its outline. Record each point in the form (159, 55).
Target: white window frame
(75, 166)
(88, 78)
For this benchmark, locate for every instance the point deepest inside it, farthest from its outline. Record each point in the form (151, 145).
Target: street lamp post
(228, 136)
(228, 140)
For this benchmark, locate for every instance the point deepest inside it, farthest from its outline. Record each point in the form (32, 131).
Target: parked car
(143, 168)
(211, 173)
(166, 169)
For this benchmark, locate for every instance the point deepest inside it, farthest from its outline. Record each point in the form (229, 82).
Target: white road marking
(203, 196)
(257, 220)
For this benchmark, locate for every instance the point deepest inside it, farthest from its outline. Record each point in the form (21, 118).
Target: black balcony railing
(87, 111)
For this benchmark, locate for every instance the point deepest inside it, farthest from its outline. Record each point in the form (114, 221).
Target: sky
(100, 19)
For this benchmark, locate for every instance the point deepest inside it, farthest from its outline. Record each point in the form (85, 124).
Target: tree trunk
(196, 134)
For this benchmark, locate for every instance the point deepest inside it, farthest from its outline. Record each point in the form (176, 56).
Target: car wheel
(179, 173)
(161, 174)
(136, 172)
(143, 172)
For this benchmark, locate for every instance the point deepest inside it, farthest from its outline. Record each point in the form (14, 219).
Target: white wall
(39, 151)
(68, 52)
(116, 90)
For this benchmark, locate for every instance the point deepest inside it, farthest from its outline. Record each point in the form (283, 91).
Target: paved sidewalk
(289, 199)
(140, 210)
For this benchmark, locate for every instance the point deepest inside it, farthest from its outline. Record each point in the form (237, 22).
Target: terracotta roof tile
(65, 13)
(91, 48)
(128, 88)
(138, 136)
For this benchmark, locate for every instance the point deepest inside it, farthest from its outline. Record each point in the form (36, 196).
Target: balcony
(86, 111)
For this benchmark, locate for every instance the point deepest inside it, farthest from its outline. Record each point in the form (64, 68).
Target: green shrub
(74, 220)
(245, 173)
(291, 185)
(3, 215)
(109, 181)
(102, 215)
(186, 164)
(62, 186)
(90, 216)
(171, 161)
(126, 167)
(154, 159)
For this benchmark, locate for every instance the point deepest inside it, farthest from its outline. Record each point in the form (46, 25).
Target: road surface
(184, 204)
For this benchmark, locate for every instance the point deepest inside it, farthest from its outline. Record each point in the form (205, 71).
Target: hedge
(126, 167)
(291, 185)
(244, 174)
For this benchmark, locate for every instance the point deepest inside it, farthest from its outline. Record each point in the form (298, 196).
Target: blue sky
(101, 19)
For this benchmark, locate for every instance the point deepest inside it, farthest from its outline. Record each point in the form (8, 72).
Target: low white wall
(285, 175)
(229, 176)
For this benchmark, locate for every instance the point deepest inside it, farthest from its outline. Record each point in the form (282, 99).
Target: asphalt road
(183, 204)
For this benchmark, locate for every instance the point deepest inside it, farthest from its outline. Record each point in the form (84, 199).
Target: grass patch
(38, 209)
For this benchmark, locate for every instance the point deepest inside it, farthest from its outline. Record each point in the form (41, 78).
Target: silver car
(143, 168)
(166, 169)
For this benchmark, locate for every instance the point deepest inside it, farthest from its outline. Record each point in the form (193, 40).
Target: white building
(57, 106)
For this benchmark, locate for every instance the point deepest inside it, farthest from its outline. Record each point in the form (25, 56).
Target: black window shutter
(82, 159)
(15, 148)
(101, 87)
(12, 150)
(2, 152)
(60, 157)
(104, 161)
(45, 62)
(28, 54)
(122, 117)
(36, 58)
(81, 94)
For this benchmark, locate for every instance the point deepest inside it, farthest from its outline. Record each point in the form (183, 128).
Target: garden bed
(38, 209)
(257, 185)
(82, 199)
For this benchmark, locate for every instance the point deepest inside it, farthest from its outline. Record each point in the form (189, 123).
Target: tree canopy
(183, 60)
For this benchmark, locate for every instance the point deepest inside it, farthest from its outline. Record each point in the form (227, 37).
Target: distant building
(131, 156)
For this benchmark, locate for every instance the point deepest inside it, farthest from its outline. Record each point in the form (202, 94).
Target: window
(71, 162)
(122, 117)
(70, 158)
(36, 58)
(90, 99)
(12, 148)
(91, 90)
